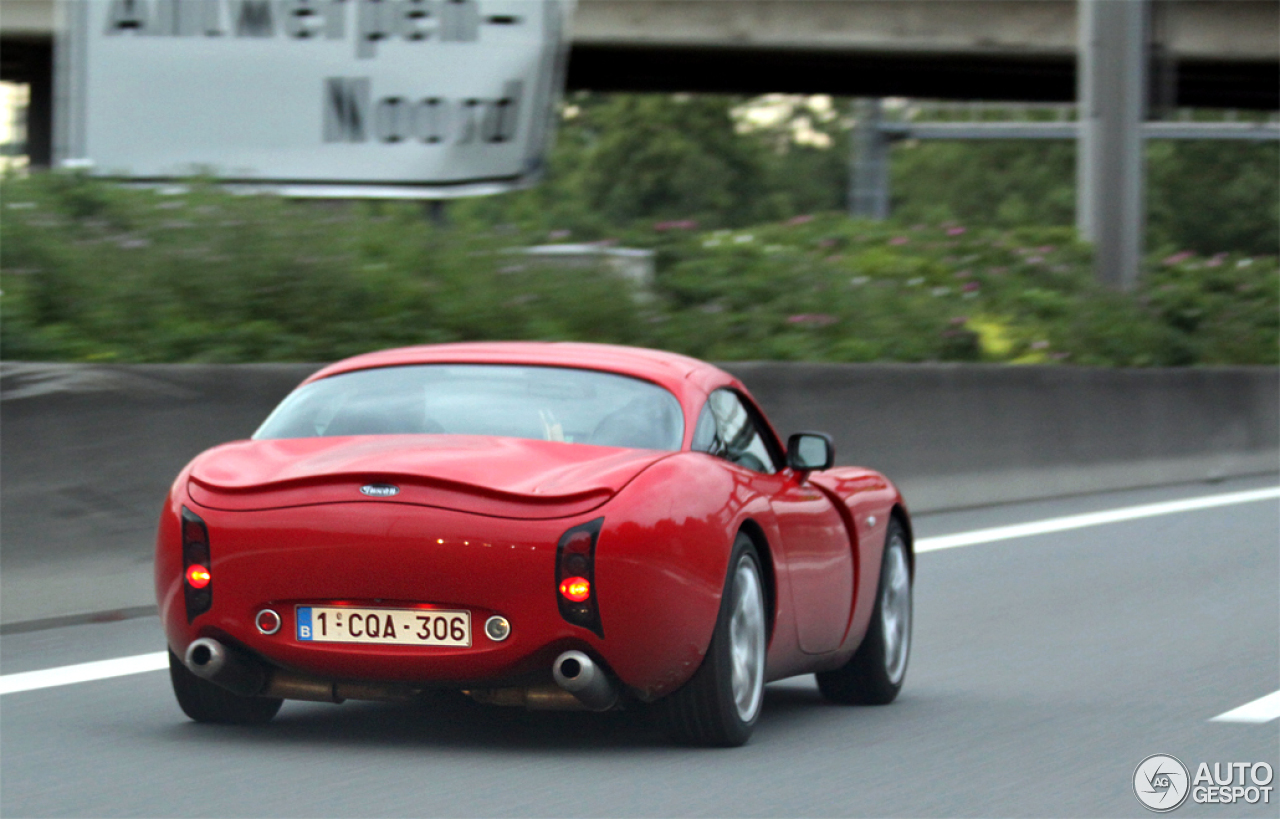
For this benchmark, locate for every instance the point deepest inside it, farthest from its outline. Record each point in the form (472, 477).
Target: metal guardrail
(1254, 131)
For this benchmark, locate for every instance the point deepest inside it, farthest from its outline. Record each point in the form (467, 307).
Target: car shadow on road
(456, 722)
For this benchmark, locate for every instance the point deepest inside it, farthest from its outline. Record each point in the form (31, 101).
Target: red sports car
(548, 525)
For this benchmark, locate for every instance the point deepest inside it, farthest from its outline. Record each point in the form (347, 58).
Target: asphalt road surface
(1045, 668)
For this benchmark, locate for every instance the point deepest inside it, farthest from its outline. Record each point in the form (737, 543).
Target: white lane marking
(105, 669)
(1263, 709)
(83, 672)
(1040, 527)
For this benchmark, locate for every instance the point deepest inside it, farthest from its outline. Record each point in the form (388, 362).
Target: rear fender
(661, 563)
(869, 500)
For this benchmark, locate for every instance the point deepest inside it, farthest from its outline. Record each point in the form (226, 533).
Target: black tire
(706, 710)
(205, 702)
(874, 675)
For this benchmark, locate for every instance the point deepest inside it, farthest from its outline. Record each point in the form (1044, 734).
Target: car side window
(727, 430)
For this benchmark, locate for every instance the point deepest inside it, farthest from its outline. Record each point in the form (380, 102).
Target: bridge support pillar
(869, 175)
(1112, 92)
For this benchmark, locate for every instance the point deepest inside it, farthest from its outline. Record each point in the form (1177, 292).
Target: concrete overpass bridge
(1210, 53)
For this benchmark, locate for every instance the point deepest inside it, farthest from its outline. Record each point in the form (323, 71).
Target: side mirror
(810, 451)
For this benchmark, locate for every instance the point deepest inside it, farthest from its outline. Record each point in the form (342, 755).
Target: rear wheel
(204, 701)
(874, 675)
(721, 702)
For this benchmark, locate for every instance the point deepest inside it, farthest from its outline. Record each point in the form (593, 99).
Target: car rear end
(376, 591)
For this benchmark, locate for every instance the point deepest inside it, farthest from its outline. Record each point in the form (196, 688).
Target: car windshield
(542, 403)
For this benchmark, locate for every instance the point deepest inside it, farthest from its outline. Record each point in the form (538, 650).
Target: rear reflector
(267, 621)
(498, 628)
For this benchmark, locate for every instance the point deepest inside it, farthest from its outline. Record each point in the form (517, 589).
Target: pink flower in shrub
(1178, 258)
(971, 287)
(899, 240)
(955, 231)
(677, 224)
(800, 220)
(814, 319)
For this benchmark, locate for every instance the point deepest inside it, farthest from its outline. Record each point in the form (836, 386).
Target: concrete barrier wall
(955, 436)
(87, 452)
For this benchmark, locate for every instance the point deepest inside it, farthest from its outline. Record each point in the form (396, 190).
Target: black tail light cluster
(576, 576)
(197, 582)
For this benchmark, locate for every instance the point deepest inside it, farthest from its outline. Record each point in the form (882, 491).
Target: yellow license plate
(417, 627)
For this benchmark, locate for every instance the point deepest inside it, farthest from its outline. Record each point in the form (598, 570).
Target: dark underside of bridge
(1200, 84)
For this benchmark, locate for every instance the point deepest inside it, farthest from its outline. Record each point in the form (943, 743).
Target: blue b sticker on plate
(304, 623)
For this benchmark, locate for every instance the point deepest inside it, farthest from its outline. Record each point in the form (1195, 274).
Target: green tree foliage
(626, 159)
(1003, 183)
(1214, 196)
(1206, 196)
(806, 166)
(678, 158)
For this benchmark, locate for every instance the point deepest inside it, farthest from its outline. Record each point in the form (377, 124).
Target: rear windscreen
(542, 403)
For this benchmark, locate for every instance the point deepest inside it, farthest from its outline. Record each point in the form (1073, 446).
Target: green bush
(96, 272)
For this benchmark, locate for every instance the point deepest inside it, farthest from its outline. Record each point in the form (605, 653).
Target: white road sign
(332, 98)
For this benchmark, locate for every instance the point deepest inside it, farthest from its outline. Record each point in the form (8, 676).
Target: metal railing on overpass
(1253, 131)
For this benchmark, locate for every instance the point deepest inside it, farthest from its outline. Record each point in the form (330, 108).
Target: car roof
(677, 373)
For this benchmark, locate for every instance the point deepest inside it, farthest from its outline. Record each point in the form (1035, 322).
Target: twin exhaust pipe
(575, 673)
(227, 667)
(578, 674)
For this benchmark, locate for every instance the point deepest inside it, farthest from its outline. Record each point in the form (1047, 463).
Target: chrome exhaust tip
(578, 674)
(211, 660)
(206, 657)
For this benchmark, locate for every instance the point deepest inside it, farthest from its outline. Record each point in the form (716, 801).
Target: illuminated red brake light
(576, 589)
(198, 576)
